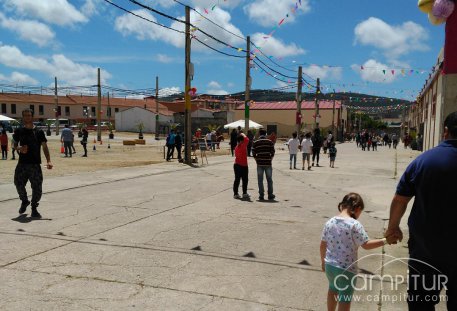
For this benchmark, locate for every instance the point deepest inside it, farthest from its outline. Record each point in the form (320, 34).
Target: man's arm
(397, 210)
(323, 250)
(46, 154)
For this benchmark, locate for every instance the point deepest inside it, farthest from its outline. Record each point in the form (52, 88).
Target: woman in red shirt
(241, 167)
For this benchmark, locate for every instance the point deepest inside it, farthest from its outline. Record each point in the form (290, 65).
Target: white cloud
(167, 91)
(60, 66)
(28, 30)
(58, 12)
(323, 72)
(275, 47)
(19, 78)
(373, 72)
(214, 85)
(395, 41)
(208, 4)
(162, 58)
(270, 12)
(128, 24)
(217, 92)
(230, 84)
(163, 3)
(92, 7)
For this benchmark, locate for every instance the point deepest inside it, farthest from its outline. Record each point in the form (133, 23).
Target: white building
(129, 119)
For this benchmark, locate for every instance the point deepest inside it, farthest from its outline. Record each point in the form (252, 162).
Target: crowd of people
(368, 140)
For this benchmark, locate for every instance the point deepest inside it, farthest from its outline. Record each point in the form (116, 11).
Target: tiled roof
(291, 105)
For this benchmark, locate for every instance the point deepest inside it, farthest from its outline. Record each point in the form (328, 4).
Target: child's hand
(323, 266)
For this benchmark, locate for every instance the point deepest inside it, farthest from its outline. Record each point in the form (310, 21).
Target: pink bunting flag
(393, 72)
(361, 67)
(282, 21)
(206, 11)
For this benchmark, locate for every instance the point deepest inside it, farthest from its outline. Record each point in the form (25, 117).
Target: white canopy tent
(234, 125)
(5, 118)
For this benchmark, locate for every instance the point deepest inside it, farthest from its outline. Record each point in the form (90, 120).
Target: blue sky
(332, 39)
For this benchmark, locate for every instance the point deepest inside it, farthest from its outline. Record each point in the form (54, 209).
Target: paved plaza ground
(171, 237)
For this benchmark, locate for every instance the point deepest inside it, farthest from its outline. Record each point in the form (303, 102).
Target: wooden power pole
(99, 107)
(56, 101)
(157, 108)
(187, 111)
(248, 85)
(316, 103)
(299, 99)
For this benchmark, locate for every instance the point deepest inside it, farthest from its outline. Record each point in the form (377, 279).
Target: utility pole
(108, 110)
(316, 103)
(99, 107)
(248, 85)
(333, 118)
(157, 108)
(56, 101)
(187, 113)
(299, 98)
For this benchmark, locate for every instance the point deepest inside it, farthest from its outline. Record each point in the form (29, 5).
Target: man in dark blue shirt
(431, 180)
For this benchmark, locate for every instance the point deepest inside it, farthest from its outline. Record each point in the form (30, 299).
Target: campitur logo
(369, 283)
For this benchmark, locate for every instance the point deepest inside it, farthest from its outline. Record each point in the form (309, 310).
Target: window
(32, 107)
(41, 110)
(116, 109)
(13, 108)
(108, 112)
(3, 108)
(67, 111)
(93, 111)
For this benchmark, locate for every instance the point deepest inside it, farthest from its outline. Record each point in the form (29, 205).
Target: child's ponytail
(351, 201)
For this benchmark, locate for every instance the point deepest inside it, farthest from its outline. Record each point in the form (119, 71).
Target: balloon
(443, 8)
(434, 20)
(425, 6)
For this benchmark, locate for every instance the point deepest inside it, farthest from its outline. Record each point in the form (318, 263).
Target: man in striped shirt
(263, 151)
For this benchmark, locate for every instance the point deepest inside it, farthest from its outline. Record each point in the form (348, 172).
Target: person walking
(240, 167)
(233, 140)
(4, 144)
(293, 145)
(341, 237)
(306, 149)
(28, 141)
(84, 141)
(73, 142)
(317, 145)
(170, 142)
(251, 141)
(66, 138)
(332, 154)
(430, 179)
(263, 151)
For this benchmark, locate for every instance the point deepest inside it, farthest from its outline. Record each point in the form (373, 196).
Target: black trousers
(85, 148)
(4, 151)
(241, 173)
(170, 151)
(316, 152)
(24, 173)
(178, 149)
(67, 146)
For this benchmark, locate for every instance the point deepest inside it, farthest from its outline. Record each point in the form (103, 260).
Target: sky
(332, 40)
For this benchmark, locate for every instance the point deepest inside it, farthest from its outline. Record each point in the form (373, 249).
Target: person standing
(430, 179)
(263, 151)
(28, 142)
(84, 141)
(4, 144)
(241, 167)
(293, 144)
(66, 138)
(251, 141)
(272, 137)
(306, 149)
(317, 145)
(178, 145)
(170, 142)
(233, 141)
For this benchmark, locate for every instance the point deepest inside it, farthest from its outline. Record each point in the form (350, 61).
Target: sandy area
(102, 158)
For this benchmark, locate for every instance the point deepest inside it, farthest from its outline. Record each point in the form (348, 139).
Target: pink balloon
(443, 8)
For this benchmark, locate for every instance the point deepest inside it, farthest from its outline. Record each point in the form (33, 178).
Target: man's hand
(23, 149)
(49, 166)
(394, 235)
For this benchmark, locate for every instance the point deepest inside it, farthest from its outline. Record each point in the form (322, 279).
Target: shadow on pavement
(24, 219)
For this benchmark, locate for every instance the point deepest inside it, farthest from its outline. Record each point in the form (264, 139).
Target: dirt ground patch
(102, 158)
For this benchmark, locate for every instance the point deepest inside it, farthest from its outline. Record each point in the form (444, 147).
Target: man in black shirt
(28, 141)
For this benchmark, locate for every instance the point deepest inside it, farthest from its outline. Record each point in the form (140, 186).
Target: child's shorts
(306, 156)
(341, 281)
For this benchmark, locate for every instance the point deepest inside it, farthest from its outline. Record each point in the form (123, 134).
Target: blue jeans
(293, 157)
(269, 173)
